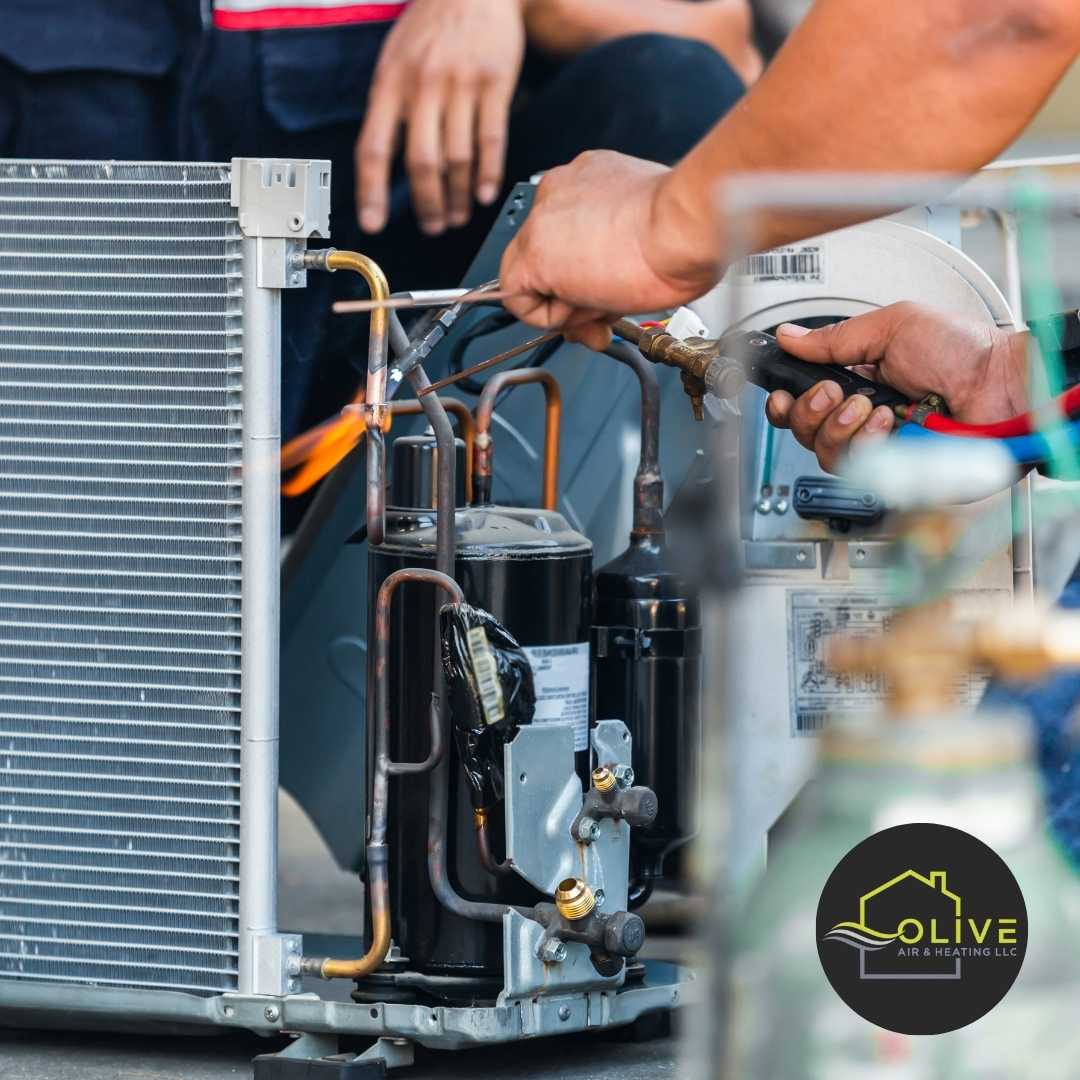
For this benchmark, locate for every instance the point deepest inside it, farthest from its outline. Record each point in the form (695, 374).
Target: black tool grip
(768, 366)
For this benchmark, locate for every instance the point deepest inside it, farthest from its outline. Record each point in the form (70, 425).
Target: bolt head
(599, 894)
(587, 830)
(564, 1012)
(271, 1012)
(553, 951)
(624, 776)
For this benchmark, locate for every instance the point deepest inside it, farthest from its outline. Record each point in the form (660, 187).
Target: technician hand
(446, 73)
(606, 236)
(979, 369)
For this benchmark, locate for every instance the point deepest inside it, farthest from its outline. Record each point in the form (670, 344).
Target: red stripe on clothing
(284, 18)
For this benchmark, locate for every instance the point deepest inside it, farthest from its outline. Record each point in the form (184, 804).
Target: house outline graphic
(935, 881)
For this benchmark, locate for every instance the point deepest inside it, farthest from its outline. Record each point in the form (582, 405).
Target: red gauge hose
(1066, 406)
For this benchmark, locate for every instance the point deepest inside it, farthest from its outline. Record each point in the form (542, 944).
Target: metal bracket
(526, 975)
(544, 797)
(280, 203)
(276, 960)
(316, 1055)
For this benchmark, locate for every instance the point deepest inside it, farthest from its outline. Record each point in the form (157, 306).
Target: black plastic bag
(490, 685)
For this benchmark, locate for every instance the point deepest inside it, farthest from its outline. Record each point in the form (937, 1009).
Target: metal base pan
(664, 986)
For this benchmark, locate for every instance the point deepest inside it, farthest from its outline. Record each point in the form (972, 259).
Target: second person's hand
(979, 369)
(446, 74)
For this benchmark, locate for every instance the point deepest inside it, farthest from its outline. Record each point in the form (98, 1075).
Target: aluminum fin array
(120, 556)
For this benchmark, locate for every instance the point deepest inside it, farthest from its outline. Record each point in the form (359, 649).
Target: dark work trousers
(302, 94)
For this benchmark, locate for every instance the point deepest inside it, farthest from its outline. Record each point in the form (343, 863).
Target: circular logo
(921, 929)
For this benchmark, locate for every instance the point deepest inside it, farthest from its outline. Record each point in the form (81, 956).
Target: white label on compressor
(561, 676)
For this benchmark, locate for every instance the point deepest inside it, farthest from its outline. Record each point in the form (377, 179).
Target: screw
(271, 1012)
(599, 894)
(564, 1012)
(764, 506)
(624, 776)
(781, 506)
(588, 830)
(294, 279)
(800, 555)
(758, 342)
(860, 553)
(553, 951)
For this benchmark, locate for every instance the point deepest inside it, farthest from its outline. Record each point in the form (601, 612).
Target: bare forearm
(924, 86)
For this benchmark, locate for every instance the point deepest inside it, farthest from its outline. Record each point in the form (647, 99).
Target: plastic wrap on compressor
(491, 692)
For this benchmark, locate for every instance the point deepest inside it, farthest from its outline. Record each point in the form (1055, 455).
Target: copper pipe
(426, 298)
(374, 395)
(465, 426)
(485, 444)
(483, 846)
(492, 361)
(649, 480)
(377, 853)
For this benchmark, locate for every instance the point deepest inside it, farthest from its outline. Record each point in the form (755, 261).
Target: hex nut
(588, 830)
(553, 951)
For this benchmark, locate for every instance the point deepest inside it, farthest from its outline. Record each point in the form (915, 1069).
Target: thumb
(859, 340)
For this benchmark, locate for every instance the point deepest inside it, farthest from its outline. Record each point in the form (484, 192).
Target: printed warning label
(816, 692)
(561, 675)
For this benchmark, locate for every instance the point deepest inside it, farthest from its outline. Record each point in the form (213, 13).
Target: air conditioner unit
(140, 347)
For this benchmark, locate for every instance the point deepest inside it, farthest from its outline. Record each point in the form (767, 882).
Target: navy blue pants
(303, 95)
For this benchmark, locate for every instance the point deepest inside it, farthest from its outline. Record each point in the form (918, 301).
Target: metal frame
(279, 203)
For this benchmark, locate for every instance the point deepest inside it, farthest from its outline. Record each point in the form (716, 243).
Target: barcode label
(487, 680)
(802, 264)
(809, 723)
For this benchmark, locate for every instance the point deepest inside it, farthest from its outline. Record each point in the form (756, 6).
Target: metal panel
(121, 394)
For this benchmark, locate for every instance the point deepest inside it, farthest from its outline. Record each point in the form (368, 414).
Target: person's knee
(670, 90)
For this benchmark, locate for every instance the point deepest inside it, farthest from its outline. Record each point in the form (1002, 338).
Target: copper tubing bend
(375, 393)
(377, 855)
(484, 444)
(465, 425)
(483, 846)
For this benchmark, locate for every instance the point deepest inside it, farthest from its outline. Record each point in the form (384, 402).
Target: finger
(460, 141)
(424, 158)
(492, 126)
(810, 410)
(777, 407)
(374, 154)
(594, 334)
(877, 427)
(834, 435)
(860, 340)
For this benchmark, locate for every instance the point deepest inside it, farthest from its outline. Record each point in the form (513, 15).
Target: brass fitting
(603, 779)
(574, 899)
